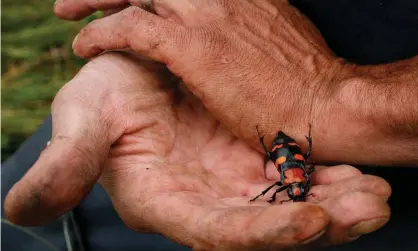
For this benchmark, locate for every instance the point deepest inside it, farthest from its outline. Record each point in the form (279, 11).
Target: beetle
(292, 165)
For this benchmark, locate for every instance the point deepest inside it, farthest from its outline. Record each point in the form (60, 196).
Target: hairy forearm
(390, 93)
(373, 117)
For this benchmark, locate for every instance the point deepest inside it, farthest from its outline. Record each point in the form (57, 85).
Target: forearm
(390, 93)
(373, 117)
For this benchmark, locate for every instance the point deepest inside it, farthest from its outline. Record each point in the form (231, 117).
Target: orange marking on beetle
(299, 157)
(280, 160)
(276, 147)
(294, 175)
(296, 191)
(293, 144)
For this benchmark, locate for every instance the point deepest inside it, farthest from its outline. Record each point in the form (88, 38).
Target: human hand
(171, 168)
(255, 63)
(261, 62)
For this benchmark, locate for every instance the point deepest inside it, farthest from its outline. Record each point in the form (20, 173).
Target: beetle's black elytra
(291, 163)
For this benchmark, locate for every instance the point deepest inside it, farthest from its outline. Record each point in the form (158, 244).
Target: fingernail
(75, 40)
(56, 2)
(366, 227)
(316, 236)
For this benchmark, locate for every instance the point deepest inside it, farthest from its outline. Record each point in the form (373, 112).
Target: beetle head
(297, 192)
(281, 138)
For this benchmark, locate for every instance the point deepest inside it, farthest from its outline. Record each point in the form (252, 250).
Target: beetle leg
(261, 138)
(281, 202)
(309, 139)
(273, 198)
(311, 168)
(311, 194)
(266, 190)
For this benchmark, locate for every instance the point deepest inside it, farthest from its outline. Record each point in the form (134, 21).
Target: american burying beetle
(291, 163)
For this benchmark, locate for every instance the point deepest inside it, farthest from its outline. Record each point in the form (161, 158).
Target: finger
(189, 13)
(181, 11)
(322, 175)
(113, 11)
(271, 171)
(208, 224)
(141, 31)
(357, 183)
(353, 215)
(363, 183)
(78, 9)
(328, 181)
(71, 164)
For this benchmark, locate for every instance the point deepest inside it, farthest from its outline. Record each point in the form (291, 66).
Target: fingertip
(289, 224)
(10, 211)
(308, 221)
(70, 10)
(57, 182)
(27, 205)
(366, 227)
(23, 210)
(379, 185)
(372, 213)
(364, 183)
(74, 45)
(363, 213)
(83, 49)
(102, 35)
(314, 219)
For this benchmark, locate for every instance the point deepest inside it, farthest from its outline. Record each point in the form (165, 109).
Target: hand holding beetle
(171, 168)
(261, 62)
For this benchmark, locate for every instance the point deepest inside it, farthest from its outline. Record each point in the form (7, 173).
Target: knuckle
(144, 3)
(214, 44)
(371, 179)
(231, 14)
(79, 153)
(131, 15)
(225, 9)
(61, 96)
(70, 94)
(133, 20)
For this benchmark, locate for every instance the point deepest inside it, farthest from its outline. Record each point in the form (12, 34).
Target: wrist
(302, 100)
(367, 118)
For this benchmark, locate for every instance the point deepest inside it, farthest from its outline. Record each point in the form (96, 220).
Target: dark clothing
(97, 226)
(365, 32)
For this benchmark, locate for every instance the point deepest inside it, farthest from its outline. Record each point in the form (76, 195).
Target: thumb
(67, 169)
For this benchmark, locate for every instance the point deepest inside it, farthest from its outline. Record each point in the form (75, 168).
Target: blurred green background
(36, 61)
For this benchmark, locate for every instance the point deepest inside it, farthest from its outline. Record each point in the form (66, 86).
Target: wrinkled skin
(264, 54)
(262, 63)
(171, 168)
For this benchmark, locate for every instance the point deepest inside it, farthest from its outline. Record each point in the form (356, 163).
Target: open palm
(171, 168)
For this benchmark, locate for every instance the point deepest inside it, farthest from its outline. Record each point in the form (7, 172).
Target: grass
(37, 60)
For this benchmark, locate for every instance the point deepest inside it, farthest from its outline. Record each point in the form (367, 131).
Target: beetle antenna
(310, 127)
(256, 127)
